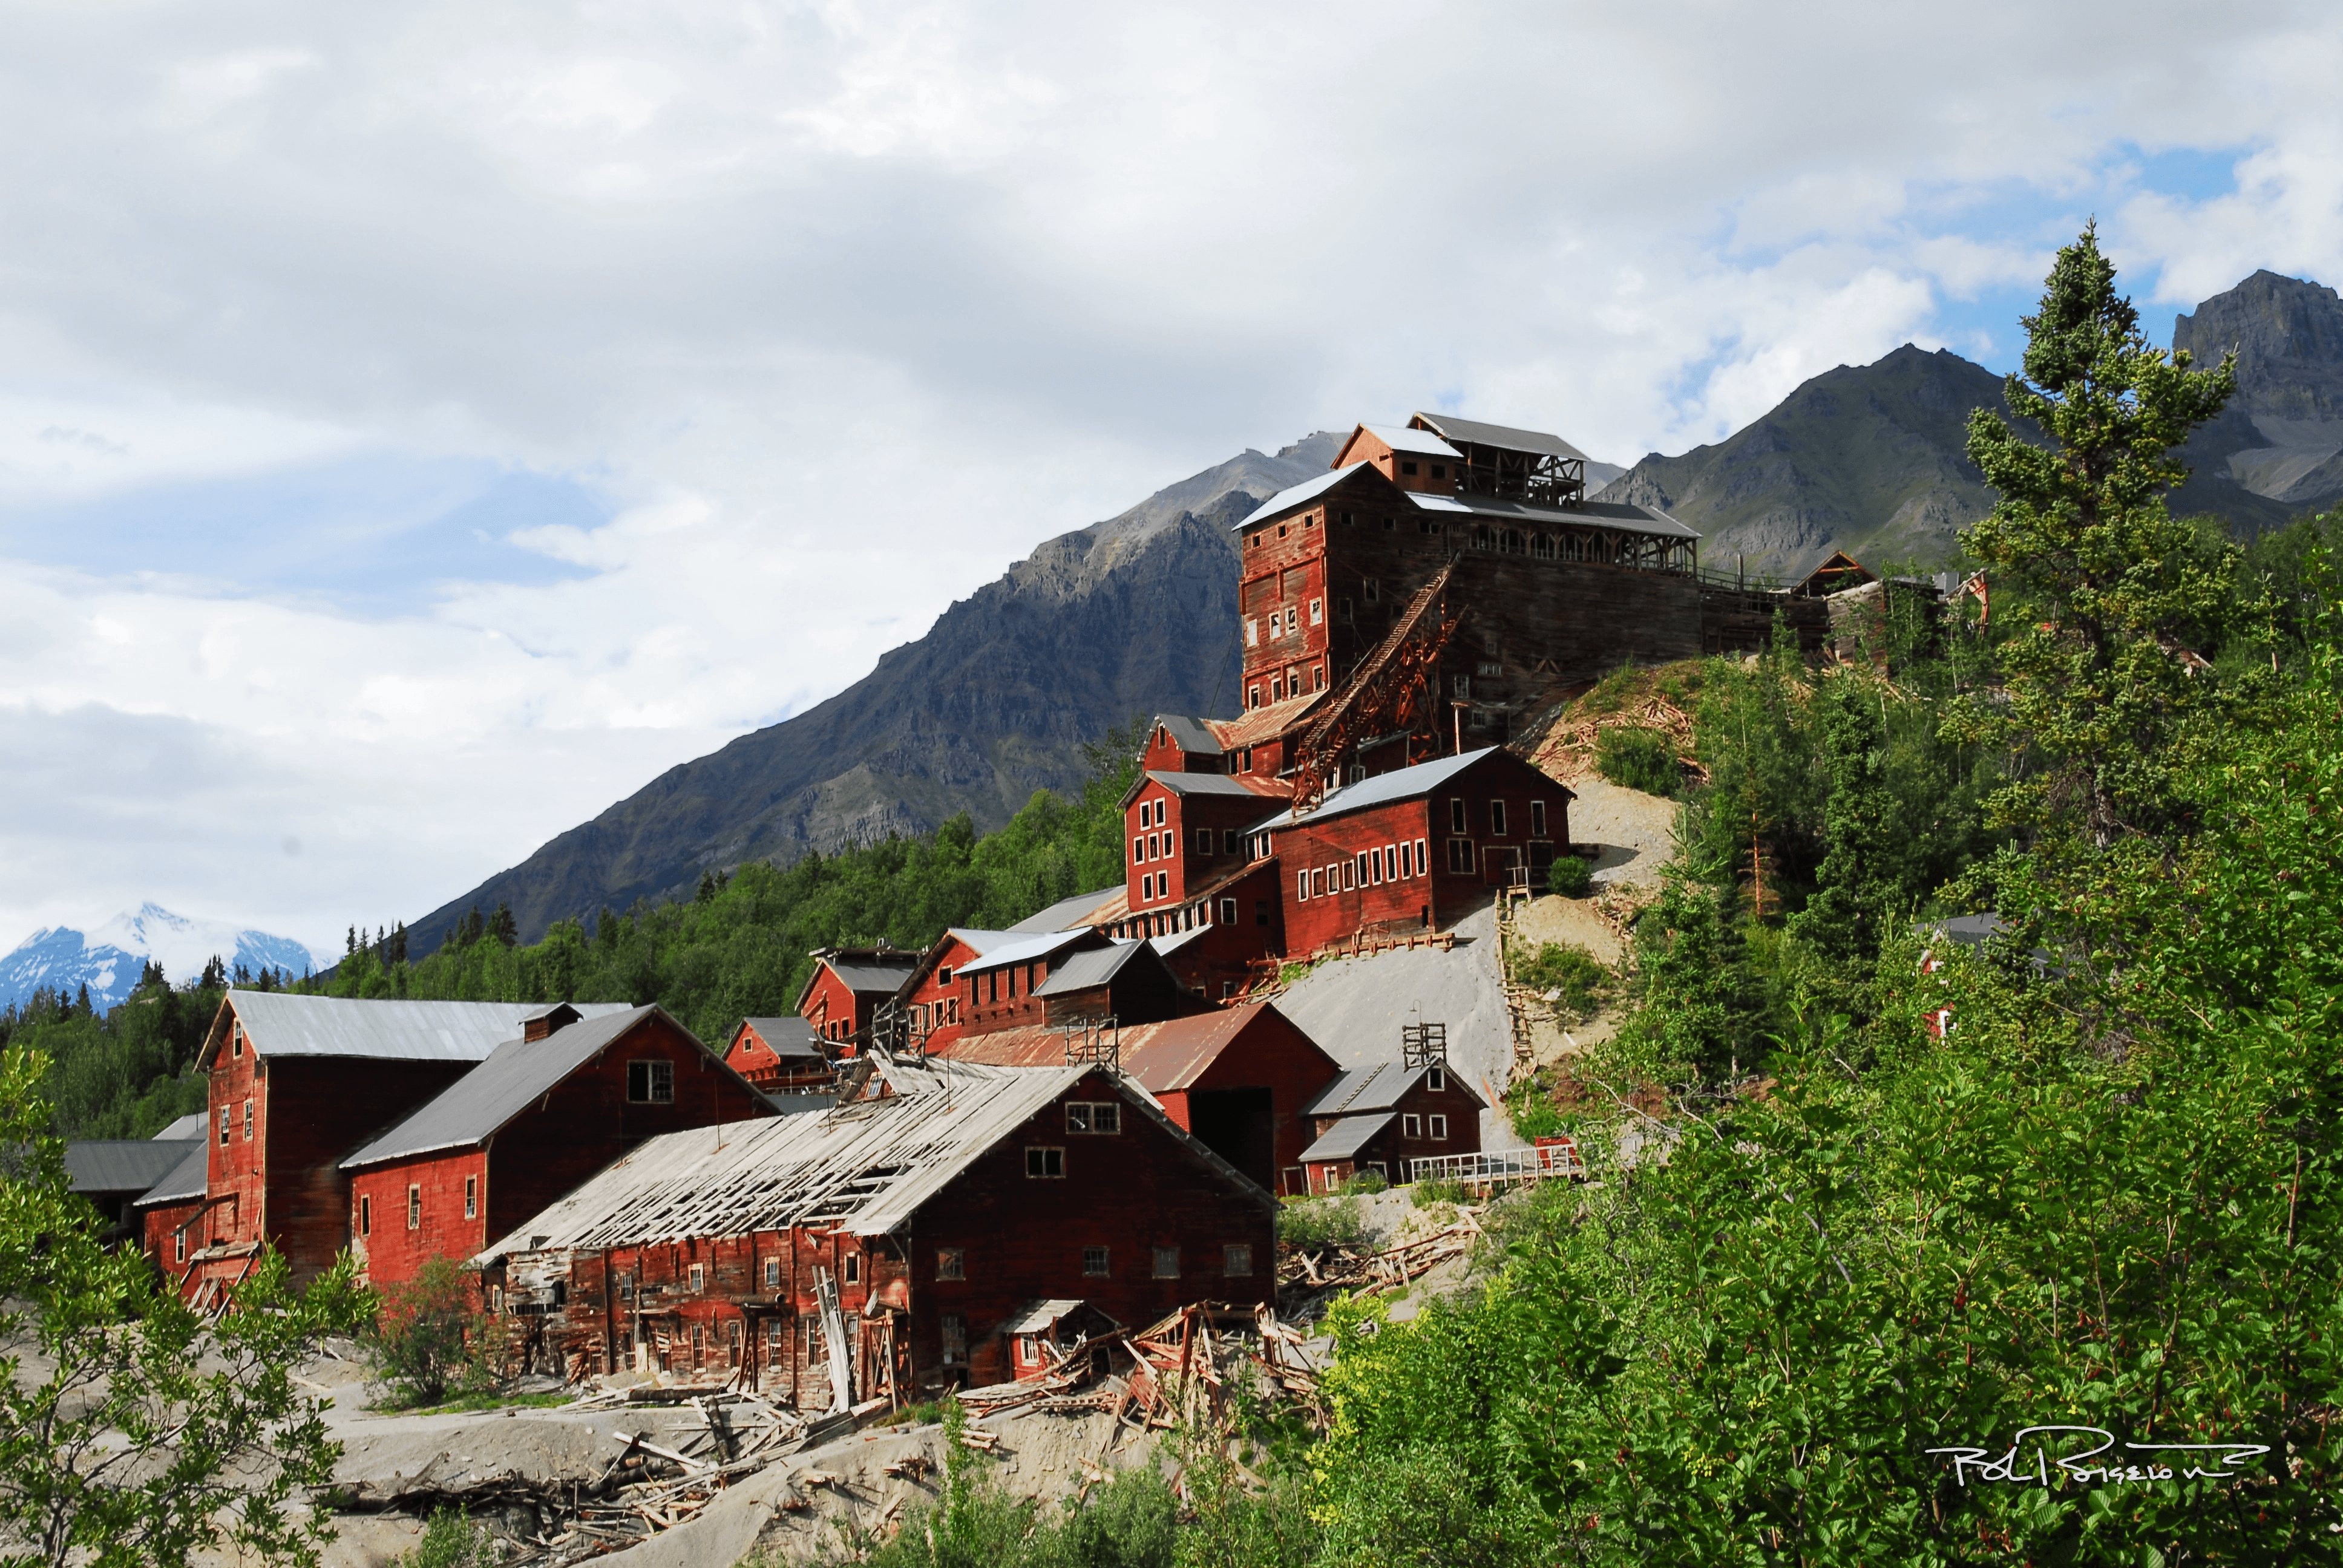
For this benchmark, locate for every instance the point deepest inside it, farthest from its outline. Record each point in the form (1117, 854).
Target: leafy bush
(1636, 759)
(451, 1540)
(432, 1338)
(1366, 1183)
(1572, 971)
(1570, 877)
(1428, 1194)
(1321, 1222)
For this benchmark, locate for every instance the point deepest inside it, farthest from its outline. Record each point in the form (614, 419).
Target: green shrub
(1573, 973)
(1429, 1194)
(1366, 1183)
(432, 1338)
(1321, 1222)
(450, 1539)
(1570, 877)
(1636, 759)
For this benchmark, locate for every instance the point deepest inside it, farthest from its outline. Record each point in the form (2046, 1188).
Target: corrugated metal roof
(865, 1168)
(1165, 1058)
(192, 1125)
(282, 1024)
(1375, 1088)
(1082, 970)
(1204, 783)
(184, 1183)
(1346, 1137)
(520, 1072)
(1399, 784)
(1190, 735)
(1166, 946)
(123, 1164)
(1477, 434)
(1024, 949)
(1039, 1317)
(1270, 719)
(981, 942)
(1066, 914)
(1294, 494)
(1617, 516)
(868, 976)
(1400, 438)
(787, 1036)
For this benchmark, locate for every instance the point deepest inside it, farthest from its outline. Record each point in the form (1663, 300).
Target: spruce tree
(2092, 693)
(1858, 885)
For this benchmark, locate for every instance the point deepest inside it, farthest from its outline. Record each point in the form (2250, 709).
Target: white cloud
(836, 308)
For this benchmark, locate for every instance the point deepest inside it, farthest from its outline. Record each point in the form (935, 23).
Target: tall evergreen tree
(1858, 883)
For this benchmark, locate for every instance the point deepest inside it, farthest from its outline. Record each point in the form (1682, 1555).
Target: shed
(779, 1055)
(1380, 1118)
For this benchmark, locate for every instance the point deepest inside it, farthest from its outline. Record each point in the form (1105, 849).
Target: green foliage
(1570, 877)
(128, 1074)
(1364, 1184)
(132, 1432)
(1314, 1222)
(1432, 1194)
(451, 1540)
(1638, 759)
(432, 1338)
(1578, 975)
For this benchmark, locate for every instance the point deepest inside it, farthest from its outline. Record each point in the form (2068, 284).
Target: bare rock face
(2282, 436)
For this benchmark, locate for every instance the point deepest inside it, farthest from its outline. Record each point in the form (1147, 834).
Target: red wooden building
(166, 1209)
(296, 1083)
(1239, 1077)
(943, 1208)
(540, 1115)
(779, 1055)
(849, 986)
(1379, 1117)
(1413, 849)
(1002, 988)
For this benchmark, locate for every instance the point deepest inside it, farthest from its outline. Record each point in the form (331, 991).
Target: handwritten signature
(2182, 1460)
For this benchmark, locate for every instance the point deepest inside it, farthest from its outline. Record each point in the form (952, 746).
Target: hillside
(1133, 614)
(2282, 437)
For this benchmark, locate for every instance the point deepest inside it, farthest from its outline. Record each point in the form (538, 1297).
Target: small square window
(1411, 1126)
(1228, 911)
(1095, 1263)
(1406, 467)
(1045, 1163)
(698, 1278)
(650, 1083)
(951, 1264)
(772, 1273)
(1167, 1262)
(1236, 1259)
(944, 974)
(1440, 1127)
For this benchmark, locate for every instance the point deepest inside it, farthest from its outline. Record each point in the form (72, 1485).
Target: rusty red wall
(391, 1251)
(830, 1006)
(942, 998)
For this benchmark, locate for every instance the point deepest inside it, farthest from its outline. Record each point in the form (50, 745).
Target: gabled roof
(123, 1164)
(1190, 735)
(1475, 433)
(866, 1168)
(192, 1125)
(1619, 517)
(1067, 914)
(1294, 494)
(980, 941)
(1835, 568)
(871, 972)
(1347, 1137)
(1026, 949)
(288, 1024)
(521, 1073)
(1399, 784)
(1166, 1058)
(1378, 1088)
(1166, 946)
(1405, 439)
(183, 1183)
(787, 1036)
(1098, 967)
(1204, 784)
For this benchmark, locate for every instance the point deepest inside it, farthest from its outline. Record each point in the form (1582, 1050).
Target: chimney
(545, 1020)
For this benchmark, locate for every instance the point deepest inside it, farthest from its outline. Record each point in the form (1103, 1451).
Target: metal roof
(1346, 1137)
(1475, 433)
(123, 1164)
(1166, 1058)
(1272, 719)
(1192, 735)
(1024, 949)
(192, 1125)
(1084, 970)
(1399, 784)
(1203, 783)
(184, 1182)
(1040, 1315)
(1377, 1088)
(1166, 946)
(871, 974)
(786, 1036)
(1294, 494)
(979, 941)
(1066, 914)
(521, 1073)
(1400, 438)
(284, 1024)
(1620, 516)
(865, 1168)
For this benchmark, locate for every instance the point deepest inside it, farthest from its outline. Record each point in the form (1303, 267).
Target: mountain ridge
(108, 958)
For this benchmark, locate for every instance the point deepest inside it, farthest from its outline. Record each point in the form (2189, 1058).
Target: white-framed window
(1236, 1259)
(1139, 851)
(366, 1216)
(951, 1264)
(1167, 1262)
(1228, 911)
(1497, 818)
(1537, 819)
(414, 1207)
(772, 1273)
(1317, 611)
(626, 1287)
(650, 1083)
(179, 1245)
(471, 1197)
(1423, 865)
(698, 1278)
(225, 1114)
(944, 974)
(849, 1269)
(1406, 863)
(1301, 891)
(1411, 1126)
(1456, 816)
(1028, 1350)
(1391, 873)
(1253, 639)
(1350, 872)
(236, 1039)
(1095, 1116)
(247, 1121)
(1438, 1128)
(1095, 1263)
(1203, 840)
(1044, 1164)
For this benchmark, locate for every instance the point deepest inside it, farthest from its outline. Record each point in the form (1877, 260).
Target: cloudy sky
(422, 424)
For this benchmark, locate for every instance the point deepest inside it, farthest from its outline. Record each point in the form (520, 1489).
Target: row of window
(225, 1114)
(415, 1206)
(1283, 623)
(1286, 684)
(1458, 823)
(1388, 863)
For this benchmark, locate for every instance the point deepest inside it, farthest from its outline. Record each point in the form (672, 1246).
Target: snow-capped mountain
(109, 958)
